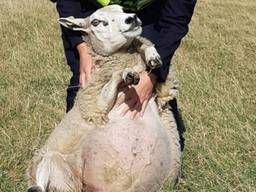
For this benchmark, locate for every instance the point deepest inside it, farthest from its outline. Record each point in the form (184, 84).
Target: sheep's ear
(76, 24)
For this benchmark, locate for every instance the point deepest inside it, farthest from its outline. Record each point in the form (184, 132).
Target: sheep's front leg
(109, 92)
(148, 51)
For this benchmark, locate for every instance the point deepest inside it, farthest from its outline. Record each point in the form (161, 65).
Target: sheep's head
(109, 28)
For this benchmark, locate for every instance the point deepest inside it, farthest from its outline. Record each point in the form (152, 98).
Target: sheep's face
(111, 22)
(108, 28)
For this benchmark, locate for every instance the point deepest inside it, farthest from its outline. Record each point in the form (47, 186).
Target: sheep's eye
(105, 23)
(95, 22)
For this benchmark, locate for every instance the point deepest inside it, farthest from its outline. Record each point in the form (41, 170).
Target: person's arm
(169, 30)
(85, 64)
(67, 8)
(166, 34)
(74, 39)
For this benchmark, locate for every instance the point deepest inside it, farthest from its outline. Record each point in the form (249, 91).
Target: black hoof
(34, 188)
(132, 78)
(155, 63)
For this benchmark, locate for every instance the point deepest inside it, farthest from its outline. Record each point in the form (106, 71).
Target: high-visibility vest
(130, 5)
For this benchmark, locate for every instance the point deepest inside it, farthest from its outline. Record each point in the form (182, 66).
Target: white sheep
(94, 148)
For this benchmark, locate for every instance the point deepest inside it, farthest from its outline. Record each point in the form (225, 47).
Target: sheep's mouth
(134, 27)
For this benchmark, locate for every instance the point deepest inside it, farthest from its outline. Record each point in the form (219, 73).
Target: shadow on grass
(179, 121)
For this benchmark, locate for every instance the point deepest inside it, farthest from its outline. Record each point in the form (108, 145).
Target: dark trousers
(148, 17)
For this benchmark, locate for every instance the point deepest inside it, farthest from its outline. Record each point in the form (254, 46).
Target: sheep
(94, 148)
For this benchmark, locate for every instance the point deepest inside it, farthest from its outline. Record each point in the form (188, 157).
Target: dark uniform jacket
(165, 23)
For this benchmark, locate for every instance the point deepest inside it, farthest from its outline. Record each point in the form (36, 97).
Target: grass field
(216, 67)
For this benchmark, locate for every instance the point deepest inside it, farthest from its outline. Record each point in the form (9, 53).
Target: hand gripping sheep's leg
(148, 51)
(109, 92)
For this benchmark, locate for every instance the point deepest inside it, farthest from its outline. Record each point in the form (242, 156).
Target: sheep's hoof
(155, 62)
(34, 188)
(132, 78)
(153, 59)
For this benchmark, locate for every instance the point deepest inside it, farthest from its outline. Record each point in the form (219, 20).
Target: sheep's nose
(131, 19)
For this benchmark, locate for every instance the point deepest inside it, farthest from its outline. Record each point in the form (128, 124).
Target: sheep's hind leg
(34, 189)
(32, 170)
(53, 174)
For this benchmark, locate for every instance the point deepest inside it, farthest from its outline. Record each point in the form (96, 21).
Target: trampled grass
(217, 72)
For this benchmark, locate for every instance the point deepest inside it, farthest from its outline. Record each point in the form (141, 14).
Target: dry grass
(216, 68)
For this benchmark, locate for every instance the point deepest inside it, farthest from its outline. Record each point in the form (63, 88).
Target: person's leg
(151, 13)
(72, 58)
(77, 9)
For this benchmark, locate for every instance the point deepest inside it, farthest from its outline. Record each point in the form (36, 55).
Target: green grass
(216, 67)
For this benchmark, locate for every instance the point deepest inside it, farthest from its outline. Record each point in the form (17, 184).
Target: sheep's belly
(127, 155)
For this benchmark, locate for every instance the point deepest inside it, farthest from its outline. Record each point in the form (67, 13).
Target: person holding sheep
(165, 23)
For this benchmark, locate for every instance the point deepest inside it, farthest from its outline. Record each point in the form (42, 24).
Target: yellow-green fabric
(130, 5)
(104, 2)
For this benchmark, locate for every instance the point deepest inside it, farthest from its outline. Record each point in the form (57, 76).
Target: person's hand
(136, 97)
(86, 64)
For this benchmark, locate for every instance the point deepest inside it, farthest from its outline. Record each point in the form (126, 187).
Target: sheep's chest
(105, 66)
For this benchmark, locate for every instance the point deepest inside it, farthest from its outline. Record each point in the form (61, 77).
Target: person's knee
(72, 91)
(70, 100)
